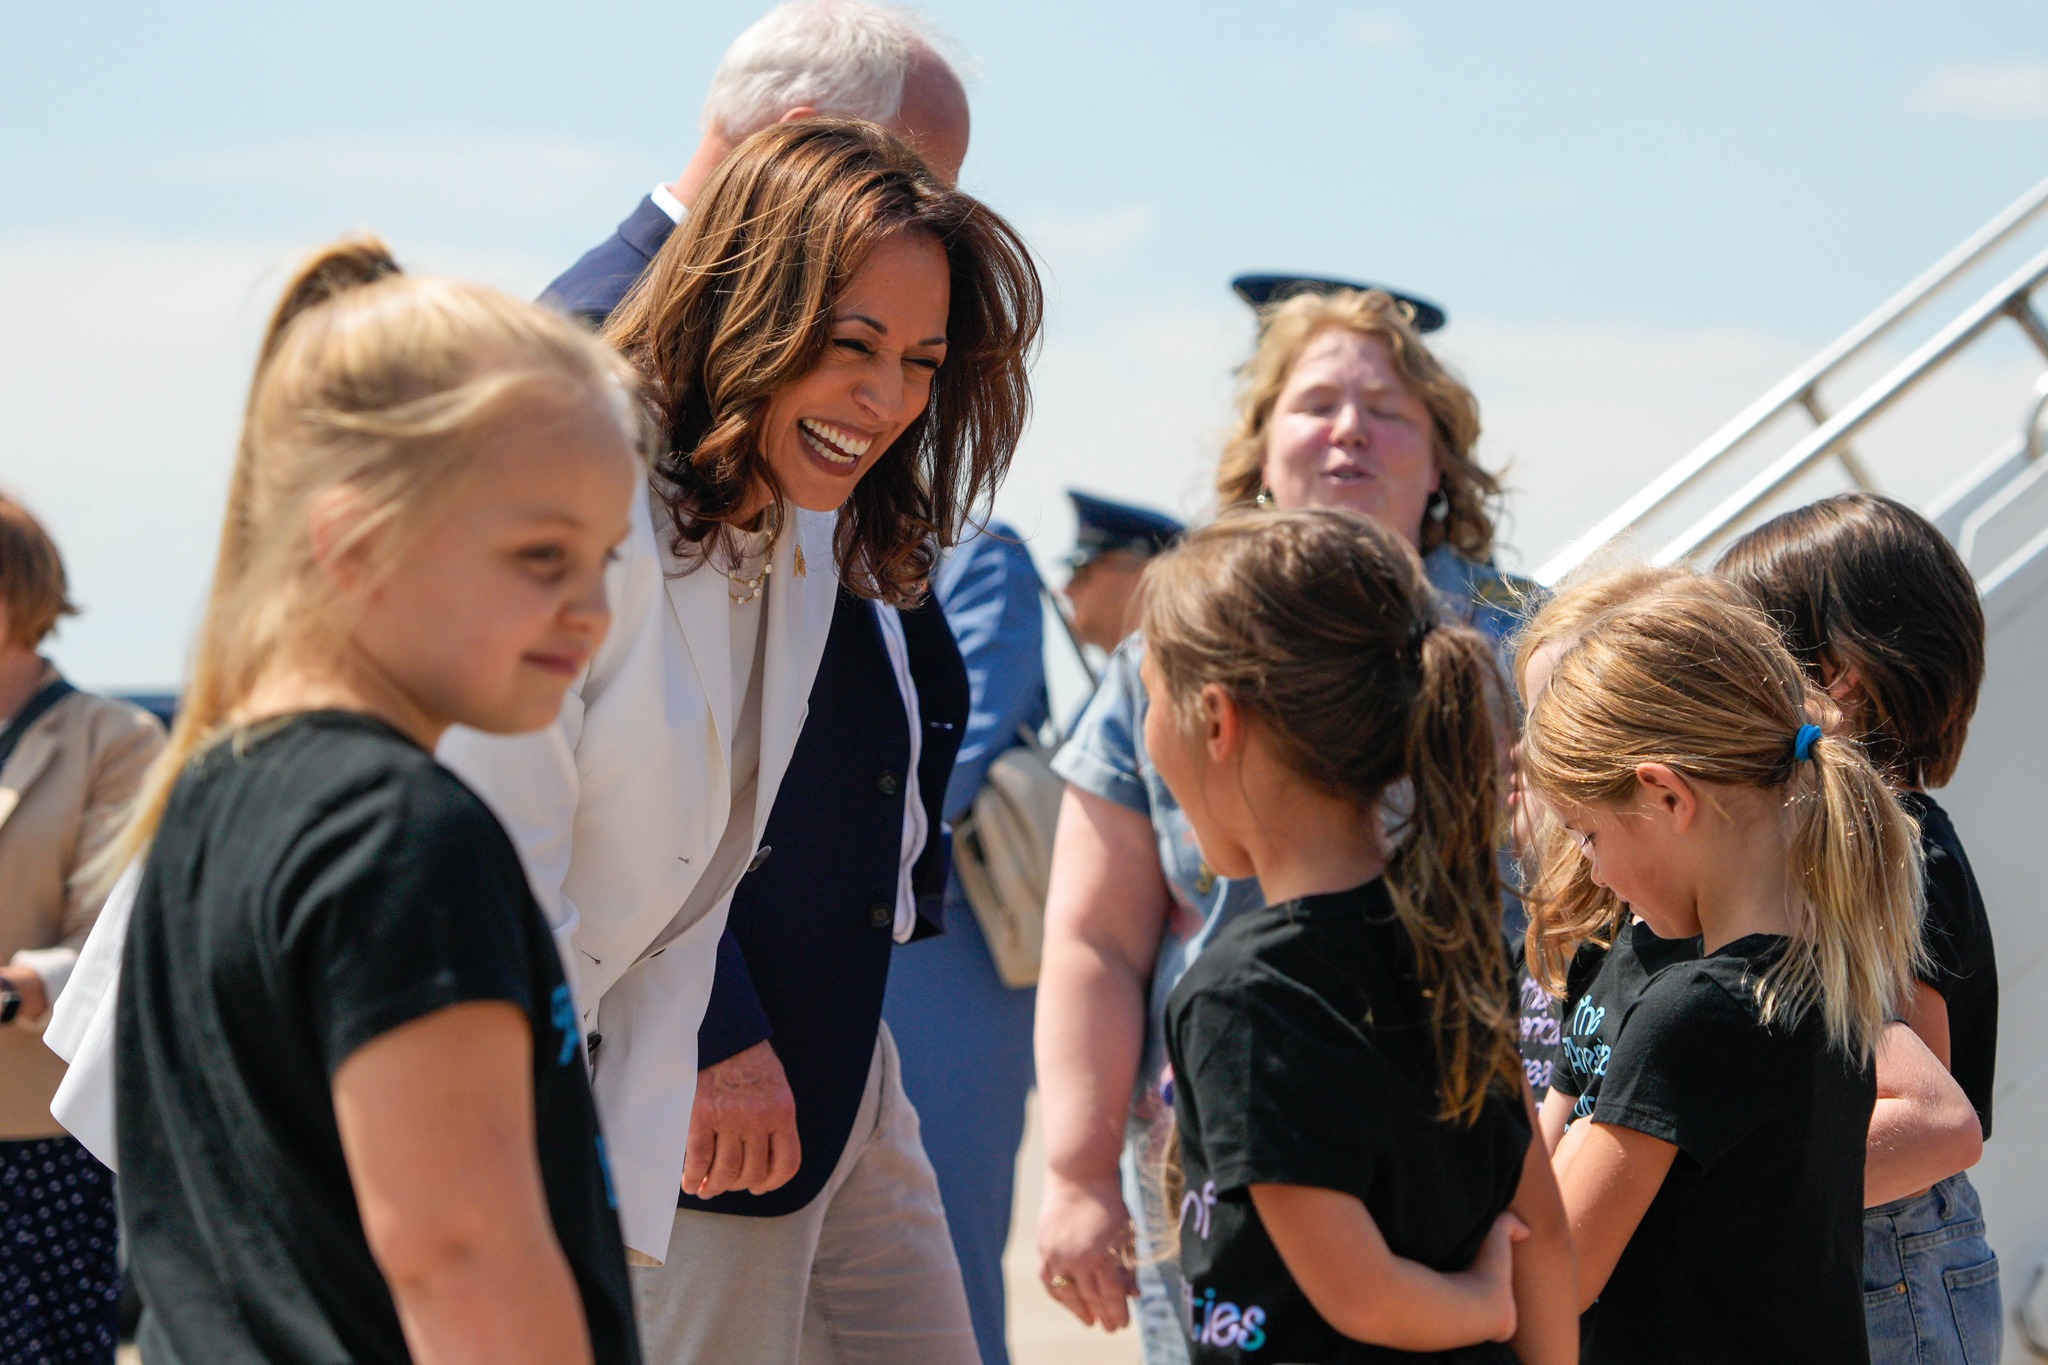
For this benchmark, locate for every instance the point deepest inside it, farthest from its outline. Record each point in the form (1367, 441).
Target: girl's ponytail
(217, 683)
(347, 264)
(1856, 940)
(1445, 877)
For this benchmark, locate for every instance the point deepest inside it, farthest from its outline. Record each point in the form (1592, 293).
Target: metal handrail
(1798, 387)
(2032, 473)
(2009, 299)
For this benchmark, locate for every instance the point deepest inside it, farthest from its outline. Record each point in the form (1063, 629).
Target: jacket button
(760, 857)
(882, 916)
(889, 784)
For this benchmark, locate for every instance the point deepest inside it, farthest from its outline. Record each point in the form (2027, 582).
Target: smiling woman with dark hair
(748, 335)
(834, 344)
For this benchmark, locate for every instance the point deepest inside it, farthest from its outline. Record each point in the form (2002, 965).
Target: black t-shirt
(1964, 968)
(1302, 1055)
(309, 890)
(1753, 1248)
(1602, 983)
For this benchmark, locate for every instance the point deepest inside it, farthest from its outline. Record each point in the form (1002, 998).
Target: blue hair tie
(1802, 743)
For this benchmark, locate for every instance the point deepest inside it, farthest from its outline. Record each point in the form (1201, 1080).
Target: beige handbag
(1002, 849)
(1003, 853)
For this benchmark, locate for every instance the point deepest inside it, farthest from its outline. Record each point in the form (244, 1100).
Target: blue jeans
(1930, 1280)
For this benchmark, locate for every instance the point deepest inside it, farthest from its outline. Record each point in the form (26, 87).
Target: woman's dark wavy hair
(738, 305)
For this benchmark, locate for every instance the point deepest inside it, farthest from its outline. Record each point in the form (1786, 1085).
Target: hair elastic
(1802, 743)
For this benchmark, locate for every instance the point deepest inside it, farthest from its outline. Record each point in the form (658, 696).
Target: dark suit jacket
(805, 956)
(593, 286)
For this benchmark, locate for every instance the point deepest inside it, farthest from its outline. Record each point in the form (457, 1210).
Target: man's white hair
(835, 56)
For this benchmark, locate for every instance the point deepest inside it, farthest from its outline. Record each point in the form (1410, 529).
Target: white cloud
(1081, 240)
(1994, 90)
(1377, 32)
(443, 176)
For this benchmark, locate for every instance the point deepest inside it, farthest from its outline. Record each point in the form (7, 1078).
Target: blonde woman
(1341, 406)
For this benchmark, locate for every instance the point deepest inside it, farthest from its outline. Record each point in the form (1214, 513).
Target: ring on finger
(1059, 1282)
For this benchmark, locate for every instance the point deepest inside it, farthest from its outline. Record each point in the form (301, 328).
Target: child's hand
(1493, 1271)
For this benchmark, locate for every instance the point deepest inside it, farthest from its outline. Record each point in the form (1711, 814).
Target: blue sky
(1638, 216)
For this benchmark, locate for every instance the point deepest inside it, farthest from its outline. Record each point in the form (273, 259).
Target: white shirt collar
(665, 200)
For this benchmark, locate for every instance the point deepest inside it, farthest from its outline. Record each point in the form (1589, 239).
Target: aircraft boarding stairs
(1794, 445)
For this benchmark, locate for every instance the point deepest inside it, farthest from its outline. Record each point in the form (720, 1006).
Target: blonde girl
(1716, 1192)
(357, 1122)
(1353, 1122)
(1587, 952)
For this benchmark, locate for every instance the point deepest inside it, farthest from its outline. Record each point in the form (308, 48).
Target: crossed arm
(1518, 1288)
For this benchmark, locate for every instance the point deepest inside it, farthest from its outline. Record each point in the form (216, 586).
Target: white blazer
(615, 810)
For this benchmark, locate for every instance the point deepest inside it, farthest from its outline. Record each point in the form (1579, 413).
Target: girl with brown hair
(1716, 1190)
(1882, 612)
(1341, 405)
(1354, 1127)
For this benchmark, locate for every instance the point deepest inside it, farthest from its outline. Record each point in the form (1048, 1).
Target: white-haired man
(821, 57)
(810, 1225)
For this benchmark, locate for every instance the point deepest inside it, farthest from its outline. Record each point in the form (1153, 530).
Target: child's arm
(1924, 1128)
(1608, 1175)
(1927, 1013)
(436, 1120)
(1552, 1118)
(1546, 1325)
(1334, 1250)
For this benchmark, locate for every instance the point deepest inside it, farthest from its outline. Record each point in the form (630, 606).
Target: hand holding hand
(742, 1127)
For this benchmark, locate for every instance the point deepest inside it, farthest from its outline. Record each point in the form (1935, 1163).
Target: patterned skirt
(60, 1279)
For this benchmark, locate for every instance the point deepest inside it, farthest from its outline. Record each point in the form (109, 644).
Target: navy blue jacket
(805, 956)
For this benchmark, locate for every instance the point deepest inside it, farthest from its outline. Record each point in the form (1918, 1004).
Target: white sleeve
(81, 1027)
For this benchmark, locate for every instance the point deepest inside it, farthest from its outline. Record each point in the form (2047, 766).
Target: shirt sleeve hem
(1237, 1175)
(1092, 775)
(1636, 1120)
(366, 1025)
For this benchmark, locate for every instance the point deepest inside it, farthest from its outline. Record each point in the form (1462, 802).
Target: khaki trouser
(862, 1274)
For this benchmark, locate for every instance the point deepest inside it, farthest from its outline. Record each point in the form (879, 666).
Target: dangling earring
(1438, 508)
(1265, 497)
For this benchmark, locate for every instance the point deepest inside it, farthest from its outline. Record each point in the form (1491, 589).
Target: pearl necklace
(751, 588)
(752, 585)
